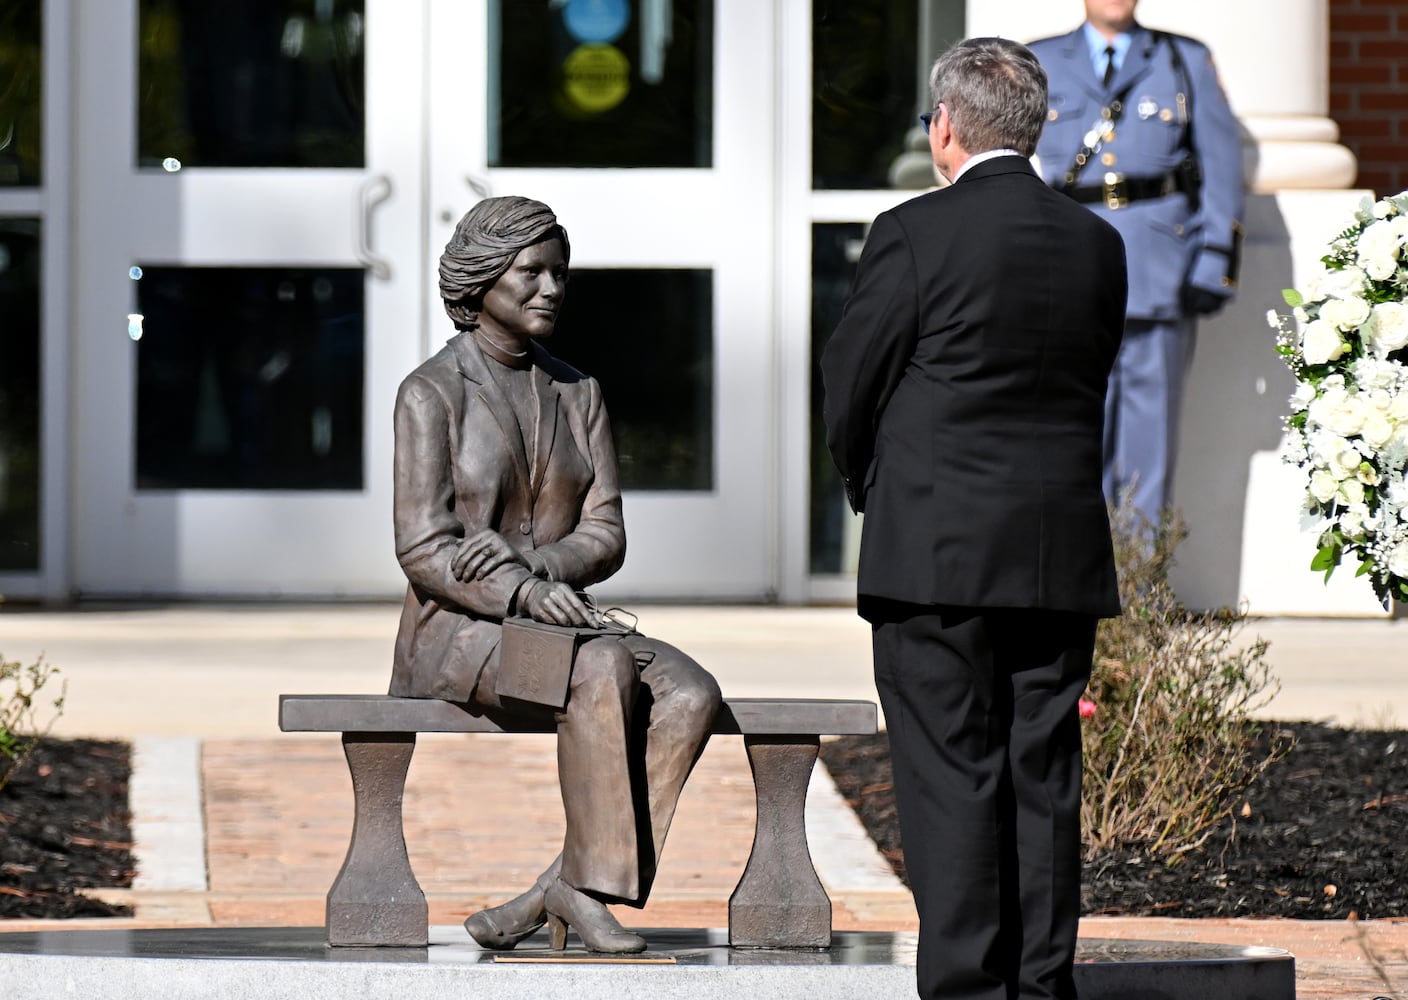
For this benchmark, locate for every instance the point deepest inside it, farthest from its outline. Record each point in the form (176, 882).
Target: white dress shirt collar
(977, 158)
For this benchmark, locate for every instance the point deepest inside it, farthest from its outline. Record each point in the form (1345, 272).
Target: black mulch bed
(1325, 835)
(65, 827)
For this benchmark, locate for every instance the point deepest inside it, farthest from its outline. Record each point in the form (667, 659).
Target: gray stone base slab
(297, 964)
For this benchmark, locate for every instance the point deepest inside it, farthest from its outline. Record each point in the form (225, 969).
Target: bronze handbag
(535, 658)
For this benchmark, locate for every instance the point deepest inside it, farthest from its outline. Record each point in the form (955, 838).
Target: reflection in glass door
(248, 240)
(613, 113)
(20, 271)
(28, 319)
(868, 67)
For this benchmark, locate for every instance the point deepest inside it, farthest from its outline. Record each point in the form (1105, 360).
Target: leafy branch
(25, 717)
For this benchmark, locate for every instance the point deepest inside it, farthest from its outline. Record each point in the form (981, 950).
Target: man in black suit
(965, 391)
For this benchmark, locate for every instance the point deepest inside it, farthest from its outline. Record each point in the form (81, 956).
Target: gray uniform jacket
(1168, 242)
(461, 465)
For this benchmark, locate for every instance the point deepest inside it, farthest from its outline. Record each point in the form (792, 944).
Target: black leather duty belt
(1118, 190)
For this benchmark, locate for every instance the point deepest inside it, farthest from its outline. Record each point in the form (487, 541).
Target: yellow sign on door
(596, 78)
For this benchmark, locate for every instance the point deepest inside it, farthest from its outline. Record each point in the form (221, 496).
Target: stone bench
(376, 901)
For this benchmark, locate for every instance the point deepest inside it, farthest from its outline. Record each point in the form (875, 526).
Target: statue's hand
(482, 553)
(554, 602)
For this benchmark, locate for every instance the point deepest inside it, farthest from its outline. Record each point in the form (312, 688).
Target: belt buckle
(1115, 191)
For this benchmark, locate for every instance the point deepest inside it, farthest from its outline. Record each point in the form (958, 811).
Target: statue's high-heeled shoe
(501, 927)
(591, 920)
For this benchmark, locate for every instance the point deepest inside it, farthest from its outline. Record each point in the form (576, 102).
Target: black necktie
(1109, 65)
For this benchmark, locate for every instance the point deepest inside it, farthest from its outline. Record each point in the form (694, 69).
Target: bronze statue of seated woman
(507, 505)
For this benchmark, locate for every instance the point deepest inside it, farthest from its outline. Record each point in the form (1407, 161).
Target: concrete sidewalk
(238, 824)
(216, 671)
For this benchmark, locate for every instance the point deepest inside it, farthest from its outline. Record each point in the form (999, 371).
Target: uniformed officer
(1139, 130)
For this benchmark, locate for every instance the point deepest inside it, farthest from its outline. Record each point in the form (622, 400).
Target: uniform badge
(1147, 107)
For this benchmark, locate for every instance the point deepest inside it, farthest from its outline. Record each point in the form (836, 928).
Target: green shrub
(24, 717)
(1170, 746)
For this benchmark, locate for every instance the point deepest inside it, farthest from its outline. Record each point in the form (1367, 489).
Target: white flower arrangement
(1346, 343)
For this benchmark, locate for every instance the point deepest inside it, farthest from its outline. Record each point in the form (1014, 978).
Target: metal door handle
(373, 192)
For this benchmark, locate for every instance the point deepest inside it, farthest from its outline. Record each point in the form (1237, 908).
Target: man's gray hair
(995, 93)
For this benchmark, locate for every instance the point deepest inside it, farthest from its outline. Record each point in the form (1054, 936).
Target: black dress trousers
(981, 710)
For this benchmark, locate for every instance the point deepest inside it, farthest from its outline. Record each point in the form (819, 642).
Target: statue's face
(524, 302)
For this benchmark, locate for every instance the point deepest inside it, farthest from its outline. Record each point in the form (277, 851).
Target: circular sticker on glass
(596, 77)
(596, 21)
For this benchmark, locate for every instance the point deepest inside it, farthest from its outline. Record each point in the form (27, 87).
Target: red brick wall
(1369, 88)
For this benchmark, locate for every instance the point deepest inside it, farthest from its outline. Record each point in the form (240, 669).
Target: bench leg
(780, 902)
(375, 899)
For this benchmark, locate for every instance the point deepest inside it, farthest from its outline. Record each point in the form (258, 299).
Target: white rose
(1321, 343)
(1383, 209)
(1378, 250)
(1347, 313)
(1398, 409)
(1342, 283)
(1387, 328)
(1367, 474)
(1371, 373)
(1351, 524)
(1300, 315)
(1323, 441)
(1352, 491)
(1340, 412)
(1344, 463)
(1398, 561)
(1323, 486)
(1378, 429)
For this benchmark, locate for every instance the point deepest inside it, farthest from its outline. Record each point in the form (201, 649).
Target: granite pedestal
(297, 964)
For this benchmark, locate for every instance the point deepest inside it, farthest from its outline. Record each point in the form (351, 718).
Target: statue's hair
(483, 247)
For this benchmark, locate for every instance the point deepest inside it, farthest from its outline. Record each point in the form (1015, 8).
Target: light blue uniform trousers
(1142, 410)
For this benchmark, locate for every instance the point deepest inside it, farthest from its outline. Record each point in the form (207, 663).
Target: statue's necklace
(501, 354)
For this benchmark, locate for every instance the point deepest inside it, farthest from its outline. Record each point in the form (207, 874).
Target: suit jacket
(965, 390)
(461, 465)
(1169, 242)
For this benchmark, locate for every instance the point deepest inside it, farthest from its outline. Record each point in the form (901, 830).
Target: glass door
(247, 292)
(867, 65)
(648, 126)
(27, 231)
